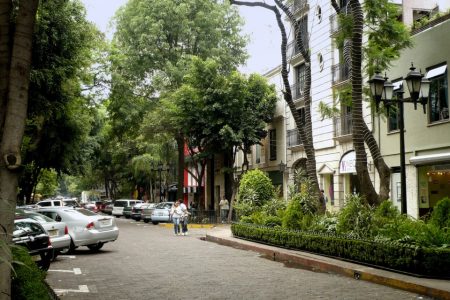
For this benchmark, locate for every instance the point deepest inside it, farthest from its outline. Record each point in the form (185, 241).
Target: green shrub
(403, 257)
(355, 218)
(256, 188)
(27, 280)
(440, 217)
(325, 223)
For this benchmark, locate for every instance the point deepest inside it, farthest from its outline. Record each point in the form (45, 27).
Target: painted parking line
(67, 256)
(75, 271)
(81, 289)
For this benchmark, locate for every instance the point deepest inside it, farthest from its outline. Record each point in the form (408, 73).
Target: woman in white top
(176, 214)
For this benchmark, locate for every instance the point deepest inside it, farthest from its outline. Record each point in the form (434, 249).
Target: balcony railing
(298, 5)
(339, 73)
(343, 126)
(297, 91)
(293, 138)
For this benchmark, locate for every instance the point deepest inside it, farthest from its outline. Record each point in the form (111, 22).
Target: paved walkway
(435, 288)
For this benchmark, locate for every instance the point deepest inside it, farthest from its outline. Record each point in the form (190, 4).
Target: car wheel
(70, 249)
(95, 247)
(146, 221)
(155, 223)
(55, 254)
(44, 263)
(127, 217)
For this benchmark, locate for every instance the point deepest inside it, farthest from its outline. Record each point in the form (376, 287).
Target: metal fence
(206, 217)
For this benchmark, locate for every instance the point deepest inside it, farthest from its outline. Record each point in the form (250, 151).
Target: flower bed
(430, 262)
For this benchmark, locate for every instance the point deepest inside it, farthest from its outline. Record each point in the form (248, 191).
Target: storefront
(433, 173)
(347, 172)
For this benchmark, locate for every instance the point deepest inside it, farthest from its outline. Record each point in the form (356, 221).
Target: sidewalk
(436, 288)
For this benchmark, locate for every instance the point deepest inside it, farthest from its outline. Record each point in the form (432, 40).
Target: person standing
(184, 218)
(176, 213)
(224, 208)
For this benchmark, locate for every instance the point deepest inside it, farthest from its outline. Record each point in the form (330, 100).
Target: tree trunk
(180, 184)
(365, 183)
(14, 121)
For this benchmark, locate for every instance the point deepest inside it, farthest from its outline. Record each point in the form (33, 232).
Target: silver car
(57, 231)
(85, 227)
(161, 212)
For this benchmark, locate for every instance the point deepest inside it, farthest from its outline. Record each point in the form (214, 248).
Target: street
(150, 262)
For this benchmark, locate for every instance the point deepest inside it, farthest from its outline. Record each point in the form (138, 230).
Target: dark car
(127, 211)
(32, 235)
(136, 211)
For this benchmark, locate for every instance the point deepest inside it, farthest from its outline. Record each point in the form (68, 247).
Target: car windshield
(120, 203)
(86, 212)
(164, 205)
(38, 217)
(28, 227)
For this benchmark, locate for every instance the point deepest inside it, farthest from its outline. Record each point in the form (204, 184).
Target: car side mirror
(58, 218)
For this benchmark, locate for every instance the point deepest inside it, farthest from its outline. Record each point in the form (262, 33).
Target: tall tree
(304, 126)
(386, 38)
(15, 63)
(153, 39)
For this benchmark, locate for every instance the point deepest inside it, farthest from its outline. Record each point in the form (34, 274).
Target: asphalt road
(150, 262)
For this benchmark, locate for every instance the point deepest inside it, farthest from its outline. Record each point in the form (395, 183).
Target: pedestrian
(175, 213)
(323, 199)
(224, 207)
(184, 218)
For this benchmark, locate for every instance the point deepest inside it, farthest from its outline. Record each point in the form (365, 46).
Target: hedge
(430, 262)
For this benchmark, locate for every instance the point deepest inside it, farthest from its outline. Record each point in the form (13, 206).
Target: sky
(260, 25)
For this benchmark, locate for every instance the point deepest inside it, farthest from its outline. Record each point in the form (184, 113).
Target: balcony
(292, 50)
(297, 91)
(339, 73)
(293, 139)
(298, 6)
(343, 127)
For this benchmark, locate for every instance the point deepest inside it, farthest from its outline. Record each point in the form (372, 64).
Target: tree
(153, 39)
(386, 38)
(304, 127)
(220, 113)
(15, 63)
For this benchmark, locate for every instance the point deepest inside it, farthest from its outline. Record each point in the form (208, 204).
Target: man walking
(224, 208)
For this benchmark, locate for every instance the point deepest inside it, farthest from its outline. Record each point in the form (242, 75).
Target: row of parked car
(139, 210)
(50, 230)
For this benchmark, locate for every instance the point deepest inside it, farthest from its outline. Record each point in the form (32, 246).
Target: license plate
(53, 232)
(104, 222)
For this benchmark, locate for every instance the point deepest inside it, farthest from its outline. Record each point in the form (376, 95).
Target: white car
(120, 204)
(161, 212)
(57, 231)
(85, 227)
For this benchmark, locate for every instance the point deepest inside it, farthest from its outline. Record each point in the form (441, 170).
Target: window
(304, 31)
(301, 112)
(300, 77)
(438, 101)
(393, 118)
(273, 144)
(319, 13)
(258, 153)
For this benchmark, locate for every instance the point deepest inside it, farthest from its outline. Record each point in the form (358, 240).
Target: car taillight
(66, 230)
(90, 225)
(49, 243)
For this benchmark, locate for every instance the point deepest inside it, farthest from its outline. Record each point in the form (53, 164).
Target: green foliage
(255, 188)
(356, 217)
(394, 255)
(325, 223)
(48, 183)
(28, 282)
(440, 217)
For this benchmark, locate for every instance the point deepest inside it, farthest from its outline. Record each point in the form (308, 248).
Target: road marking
(67, 256)
(81, 289)
(75, 271)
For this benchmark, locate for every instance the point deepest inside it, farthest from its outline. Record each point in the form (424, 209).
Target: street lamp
(282, 167)
(383, 91)
(160, 167)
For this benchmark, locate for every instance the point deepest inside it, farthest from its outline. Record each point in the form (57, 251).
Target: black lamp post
(383, 92)
(160, 167)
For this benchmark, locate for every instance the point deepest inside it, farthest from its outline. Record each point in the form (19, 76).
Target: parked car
(96, 206)
(161, 213)
(120, 204)
(146, 211)
(51, 202)
(136, 211)
(71, 202)
(108, 208)
(57, 231)
(85, 227)
(32, 235)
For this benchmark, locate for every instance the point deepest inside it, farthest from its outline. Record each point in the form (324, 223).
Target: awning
(436, 71)
(428, 159)
(347, 164)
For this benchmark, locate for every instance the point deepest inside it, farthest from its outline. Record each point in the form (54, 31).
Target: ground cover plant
(376, 235)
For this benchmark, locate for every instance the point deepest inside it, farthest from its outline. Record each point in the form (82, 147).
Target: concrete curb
(170, 225)
(435, 288)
